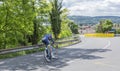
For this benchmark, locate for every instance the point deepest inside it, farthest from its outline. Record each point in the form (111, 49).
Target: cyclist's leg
(46, 52)
(49, 51)
(46, 49)
(53, 52)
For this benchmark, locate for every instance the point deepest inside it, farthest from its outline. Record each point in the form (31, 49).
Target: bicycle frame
(48, 53)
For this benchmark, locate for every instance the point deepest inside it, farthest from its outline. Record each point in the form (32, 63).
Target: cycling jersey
(46, 39)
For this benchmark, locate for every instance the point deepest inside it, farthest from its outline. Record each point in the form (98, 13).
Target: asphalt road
(92, 54)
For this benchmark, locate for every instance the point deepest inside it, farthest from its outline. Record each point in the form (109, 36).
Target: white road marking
(109, 43)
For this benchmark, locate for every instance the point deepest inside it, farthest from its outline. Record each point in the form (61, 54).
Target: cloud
(93, 7)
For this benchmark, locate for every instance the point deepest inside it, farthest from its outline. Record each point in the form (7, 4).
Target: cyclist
(46, 40)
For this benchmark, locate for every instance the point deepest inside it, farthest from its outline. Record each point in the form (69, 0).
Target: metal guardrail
(5, 51)
(117, 35)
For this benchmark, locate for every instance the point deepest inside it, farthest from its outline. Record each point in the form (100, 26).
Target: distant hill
(93, 20)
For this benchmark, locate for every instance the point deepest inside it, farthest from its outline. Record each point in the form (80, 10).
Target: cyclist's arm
(52, 41)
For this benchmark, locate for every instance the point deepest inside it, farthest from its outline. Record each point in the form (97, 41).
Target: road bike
(50, 53)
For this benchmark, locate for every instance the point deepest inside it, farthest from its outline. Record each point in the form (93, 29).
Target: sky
(93, 7)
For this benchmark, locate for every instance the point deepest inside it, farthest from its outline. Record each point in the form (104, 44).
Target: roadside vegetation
(118, 31)
(104, 26)
(24, 22)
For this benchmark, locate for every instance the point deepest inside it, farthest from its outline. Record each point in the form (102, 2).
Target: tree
(74, 27)
(107, 25)
(117, 31)
(41, 10)
(55, 17)
(65, 29)
(15, 22)
(20, 19)
(104, 26)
